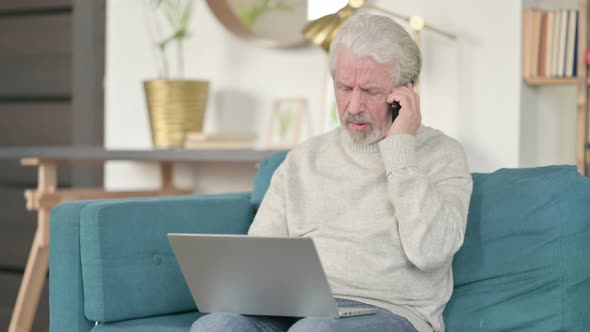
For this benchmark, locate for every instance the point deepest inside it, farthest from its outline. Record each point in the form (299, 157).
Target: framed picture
(285, 124)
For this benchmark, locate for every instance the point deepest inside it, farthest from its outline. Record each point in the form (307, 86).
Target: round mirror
(271, 23)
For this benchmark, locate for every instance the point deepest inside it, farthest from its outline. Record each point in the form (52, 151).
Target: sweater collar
(350, 145)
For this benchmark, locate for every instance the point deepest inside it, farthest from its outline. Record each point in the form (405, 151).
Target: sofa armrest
(66, 293)
(127, 265)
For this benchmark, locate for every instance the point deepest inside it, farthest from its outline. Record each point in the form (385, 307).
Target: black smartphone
(395, 107)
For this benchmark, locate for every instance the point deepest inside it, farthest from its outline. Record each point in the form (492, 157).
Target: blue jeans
(382, 321)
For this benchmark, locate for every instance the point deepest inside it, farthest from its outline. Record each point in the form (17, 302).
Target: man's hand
(409, 119)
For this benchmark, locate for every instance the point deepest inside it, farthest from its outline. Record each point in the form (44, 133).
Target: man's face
(361, 86)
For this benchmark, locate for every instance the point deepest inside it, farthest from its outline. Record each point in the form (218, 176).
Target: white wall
(470, 87)
(548, 125)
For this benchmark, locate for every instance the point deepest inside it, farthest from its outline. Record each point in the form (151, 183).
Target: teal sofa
(524, 265)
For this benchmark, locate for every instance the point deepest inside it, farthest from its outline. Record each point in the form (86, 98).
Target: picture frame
(285, 123)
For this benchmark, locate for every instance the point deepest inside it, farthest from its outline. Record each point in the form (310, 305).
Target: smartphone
(395, 107)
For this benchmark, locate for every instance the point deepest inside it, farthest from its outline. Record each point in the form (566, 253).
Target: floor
(9, 284)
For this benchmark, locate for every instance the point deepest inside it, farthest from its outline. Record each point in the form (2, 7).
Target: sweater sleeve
(271, 218)
(431, 208)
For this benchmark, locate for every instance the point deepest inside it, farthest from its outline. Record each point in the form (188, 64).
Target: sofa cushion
(128, 267)
(263, 176)
(167, 323)
(525, 262)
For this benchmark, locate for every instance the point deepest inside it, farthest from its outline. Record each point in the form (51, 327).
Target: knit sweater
(386, 218)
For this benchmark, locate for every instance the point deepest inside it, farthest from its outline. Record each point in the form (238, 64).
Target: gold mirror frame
(225, 15)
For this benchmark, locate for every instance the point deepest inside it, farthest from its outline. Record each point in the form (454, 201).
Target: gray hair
(384, 41)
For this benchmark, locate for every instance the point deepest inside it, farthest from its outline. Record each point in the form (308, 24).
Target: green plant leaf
(174, 16)
(187, 12)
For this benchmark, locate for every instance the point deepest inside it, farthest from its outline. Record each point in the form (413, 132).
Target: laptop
(269, 276)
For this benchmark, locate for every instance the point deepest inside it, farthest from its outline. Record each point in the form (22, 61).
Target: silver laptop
(257, 276)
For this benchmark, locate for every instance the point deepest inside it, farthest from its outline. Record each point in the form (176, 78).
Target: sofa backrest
(524, 264)
(263, 176)
(525, 260)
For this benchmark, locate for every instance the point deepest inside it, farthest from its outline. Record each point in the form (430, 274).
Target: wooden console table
(48, 195)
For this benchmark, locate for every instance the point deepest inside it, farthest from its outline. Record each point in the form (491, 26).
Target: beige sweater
(386, 218)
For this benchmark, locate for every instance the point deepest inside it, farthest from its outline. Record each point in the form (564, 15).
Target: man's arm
(431, 210)
(271, 219)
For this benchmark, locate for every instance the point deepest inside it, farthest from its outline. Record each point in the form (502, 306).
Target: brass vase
(175, 108)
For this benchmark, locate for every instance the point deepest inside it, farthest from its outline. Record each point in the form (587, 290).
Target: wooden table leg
(166, 176)
(33, 280)
(167, 186)
(38, 262)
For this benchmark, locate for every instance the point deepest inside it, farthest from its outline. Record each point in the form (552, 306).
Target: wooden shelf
(581, 83)
(550, 81)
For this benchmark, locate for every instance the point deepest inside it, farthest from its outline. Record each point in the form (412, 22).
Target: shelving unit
(582, 84)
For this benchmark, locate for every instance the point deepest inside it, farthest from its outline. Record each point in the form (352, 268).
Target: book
(535, 42)
(526, 37)
(542, 63)
(575, 69)
(561, 47)
(571, 43)
(549, 46)
(555, 44)
(196, 140)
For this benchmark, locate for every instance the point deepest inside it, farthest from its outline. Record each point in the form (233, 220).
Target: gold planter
(175, 107)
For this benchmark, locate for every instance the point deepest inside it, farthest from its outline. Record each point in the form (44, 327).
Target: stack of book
(550, 39)
(196, 140)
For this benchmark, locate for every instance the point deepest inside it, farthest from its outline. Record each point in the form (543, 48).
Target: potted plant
(175, 105)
